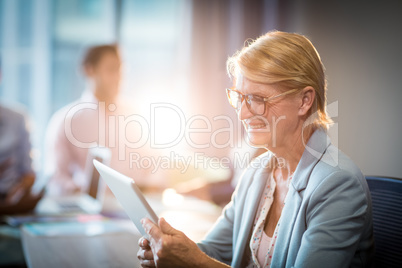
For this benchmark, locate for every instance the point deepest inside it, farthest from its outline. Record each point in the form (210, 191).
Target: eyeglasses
(255, 104)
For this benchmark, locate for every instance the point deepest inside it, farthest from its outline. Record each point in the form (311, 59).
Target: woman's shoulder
(335, 162)
(334, 169)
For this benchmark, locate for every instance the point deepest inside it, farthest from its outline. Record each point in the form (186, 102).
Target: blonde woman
(301, 204)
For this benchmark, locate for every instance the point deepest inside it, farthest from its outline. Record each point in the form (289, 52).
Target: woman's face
(279, 123)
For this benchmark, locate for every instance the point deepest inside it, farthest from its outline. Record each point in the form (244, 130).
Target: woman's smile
(256, 125)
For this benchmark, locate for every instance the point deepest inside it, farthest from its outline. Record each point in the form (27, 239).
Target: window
(42, 43)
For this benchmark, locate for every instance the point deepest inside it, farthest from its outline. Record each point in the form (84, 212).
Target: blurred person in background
(97, 120)
(16, 173)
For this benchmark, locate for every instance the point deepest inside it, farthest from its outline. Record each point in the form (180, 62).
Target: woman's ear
(308, 96)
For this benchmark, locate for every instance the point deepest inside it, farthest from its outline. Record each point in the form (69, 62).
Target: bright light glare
(168, 124)
(171, 198)
(94, 229)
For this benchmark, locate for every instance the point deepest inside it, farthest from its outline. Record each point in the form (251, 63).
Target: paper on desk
(76, 228)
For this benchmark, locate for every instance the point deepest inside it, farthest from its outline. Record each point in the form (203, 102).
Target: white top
(87, 123)
(263, 248)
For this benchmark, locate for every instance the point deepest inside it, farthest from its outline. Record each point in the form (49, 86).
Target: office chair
(386, 195)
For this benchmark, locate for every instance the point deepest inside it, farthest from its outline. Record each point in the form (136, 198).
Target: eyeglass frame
(264, 99)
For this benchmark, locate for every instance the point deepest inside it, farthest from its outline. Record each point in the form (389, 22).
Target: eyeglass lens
(254, 103)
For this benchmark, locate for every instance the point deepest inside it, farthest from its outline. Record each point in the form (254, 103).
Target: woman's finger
(144, 243)
(146, 258)
(155, 234)
(145, 254)
(148, 264)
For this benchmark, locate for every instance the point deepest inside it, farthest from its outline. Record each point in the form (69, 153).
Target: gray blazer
(326, 222)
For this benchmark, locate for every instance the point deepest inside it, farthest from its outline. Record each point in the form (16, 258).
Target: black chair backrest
(386, 195)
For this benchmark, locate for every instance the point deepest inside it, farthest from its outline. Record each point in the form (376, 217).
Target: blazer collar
(254, 193)
(313, 152)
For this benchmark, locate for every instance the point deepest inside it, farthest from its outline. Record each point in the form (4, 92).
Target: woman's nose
(244, 113)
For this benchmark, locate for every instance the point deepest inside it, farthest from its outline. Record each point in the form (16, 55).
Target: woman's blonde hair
(285, 59)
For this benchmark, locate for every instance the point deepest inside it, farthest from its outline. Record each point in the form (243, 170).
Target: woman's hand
(168, 247)
(145, 254)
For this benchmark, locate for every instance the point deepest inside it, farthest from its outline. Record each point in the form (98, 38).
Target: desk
(116, 247)
(107, 250)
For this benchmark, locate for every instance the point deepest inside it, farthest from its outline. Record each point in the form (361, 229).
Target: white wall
(360, 43)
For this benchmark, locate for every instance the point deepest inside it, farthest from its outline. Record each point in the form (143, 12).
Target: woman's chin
(256, 140)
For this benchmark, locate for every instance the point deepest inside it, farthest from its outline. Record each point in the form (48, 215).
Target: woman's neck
(289, 155)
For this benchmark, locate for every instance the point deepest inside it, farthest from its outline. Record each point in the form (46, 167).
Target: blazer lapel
(315, 148)
(250, 208)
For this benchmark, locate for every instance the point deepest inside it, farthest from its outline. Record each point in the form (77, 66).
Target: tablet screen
(128, 194)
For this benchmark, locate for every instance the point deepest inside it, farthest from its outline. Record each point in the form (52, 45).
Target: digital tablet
(128, 194)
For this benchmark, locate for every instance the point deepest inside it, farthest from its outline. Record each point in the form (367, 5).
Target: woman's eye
(256, 98)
